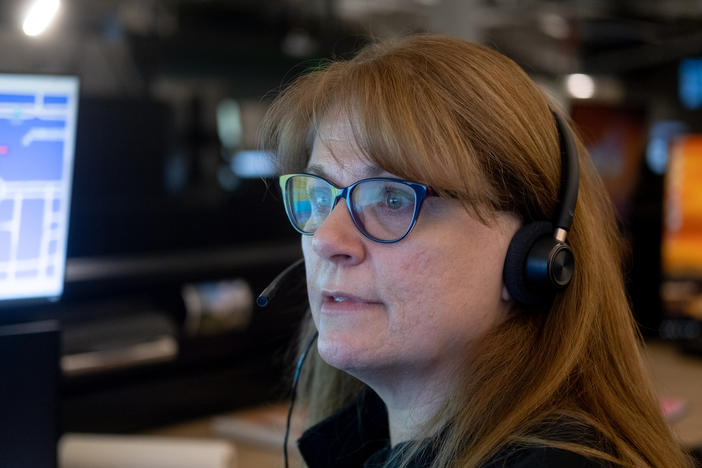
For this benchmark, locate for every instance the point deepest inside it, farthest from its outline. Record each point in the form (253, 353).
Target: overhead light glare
(554, 25)
(39, 16)
(580, 86)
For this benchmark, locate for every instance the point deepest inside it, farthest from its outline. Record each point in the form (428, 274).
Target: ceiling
(119, 44)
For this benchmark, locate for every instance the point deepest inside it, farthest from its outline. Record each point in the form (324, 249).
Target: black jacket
(358, 436)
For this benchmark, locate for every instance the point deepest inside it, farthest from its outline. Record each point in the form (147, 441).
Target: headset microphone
(281, 280)
(262, 301)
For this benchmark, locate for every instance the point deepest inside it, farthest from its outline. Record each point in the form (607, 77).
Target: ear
(506, 296)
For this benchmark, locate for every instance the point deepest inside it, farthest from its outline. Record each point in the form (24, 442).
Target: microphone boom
(267, 294)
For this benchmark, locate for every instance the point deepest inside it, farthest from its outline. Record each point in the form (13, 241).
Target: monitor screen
(681, 247)
(37, 135)
(682, 234)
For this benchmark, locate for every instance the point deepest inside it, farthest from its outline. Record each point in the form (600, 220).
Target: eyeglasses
(384, 209)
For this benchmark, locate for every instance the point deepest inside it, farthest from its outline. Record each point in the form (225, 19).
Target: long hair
(468, 122)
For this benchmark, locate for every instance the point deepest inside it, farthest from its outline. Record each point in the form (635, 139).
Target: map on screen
(37, 136)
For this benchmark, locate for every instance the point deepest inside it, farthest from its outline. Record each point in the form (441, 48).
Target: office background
(174, 228)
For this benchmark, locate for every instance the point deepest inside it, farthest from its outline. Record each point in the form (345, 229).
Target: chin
(343, 353)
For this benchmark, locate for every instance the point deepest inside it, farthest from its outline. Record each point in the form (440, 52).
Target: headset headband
(568, 192)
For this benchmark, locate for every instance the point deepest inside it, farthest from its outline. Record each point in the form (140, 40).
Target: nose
(338, 240)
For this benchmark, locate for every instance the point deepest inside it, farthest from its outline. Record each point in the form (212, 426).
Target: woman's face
(411, 308)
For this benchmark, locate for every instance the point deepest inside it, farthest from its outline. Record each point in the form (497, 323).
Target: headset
(538, 262)
(284, 278)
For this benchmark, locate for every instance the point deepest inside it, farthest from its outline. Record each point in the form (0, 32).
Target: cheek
(311, 271)
(445, 287)
(413, 283)
(306, 242)
(413, 273)
(424, 271)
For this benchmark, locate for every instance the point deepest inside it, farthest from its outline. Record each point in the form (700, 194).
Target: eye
(320, 197)
(320, 200)
(394, 199)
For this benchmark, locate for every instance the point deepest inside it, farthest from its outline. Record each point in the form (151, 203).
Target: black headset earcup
(520, 287)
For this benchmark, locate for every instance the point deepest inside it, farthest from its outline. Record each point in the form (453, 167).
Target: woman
(424, 357)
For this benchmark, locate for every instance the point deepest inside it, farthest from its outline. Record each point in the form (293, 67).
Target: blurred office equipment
(122, 451)
(37, 136)
(682, 243)
(690, 82)
(29, 396)
(37, 139)
(616, 138)
(143, 339)
(163, 261)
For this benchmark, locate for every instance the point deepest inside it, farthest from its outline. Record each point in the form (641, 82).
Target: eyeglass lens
(381, 209)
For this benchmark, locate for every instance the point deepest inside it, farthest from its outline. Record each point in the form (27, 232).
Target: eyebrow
(315, 169)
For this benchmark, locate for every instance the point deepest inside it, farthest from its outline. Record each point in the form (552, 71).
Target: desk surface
(674, 375)
(249, 455)
(679, 375)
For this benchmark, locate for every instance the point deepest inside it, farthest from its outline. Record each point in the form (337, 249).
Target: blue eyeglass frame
(421, 191)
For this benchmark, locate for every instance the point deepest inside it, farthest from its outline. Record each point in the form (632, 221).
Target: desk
(679, 375)
(674, 375)
(266, 454)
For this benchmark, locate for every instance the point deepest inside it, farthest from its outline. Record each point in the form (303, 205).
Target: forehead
(336, 155)
(334, 139)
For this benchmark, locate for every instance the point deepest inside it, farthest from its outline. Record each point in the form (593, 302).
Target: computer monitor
(682, 236)
(38, 116)
(682, 239)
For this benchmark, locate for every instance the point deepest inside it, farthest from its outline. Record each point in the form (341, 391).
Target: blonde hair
(468, 122)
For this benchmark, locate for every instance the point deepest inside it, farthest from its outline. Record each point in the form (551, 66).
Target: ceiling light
(39, 16)
(580, 86)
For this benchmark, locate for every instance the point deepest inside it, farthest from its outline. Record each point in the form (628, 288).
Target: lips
(343, 301)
